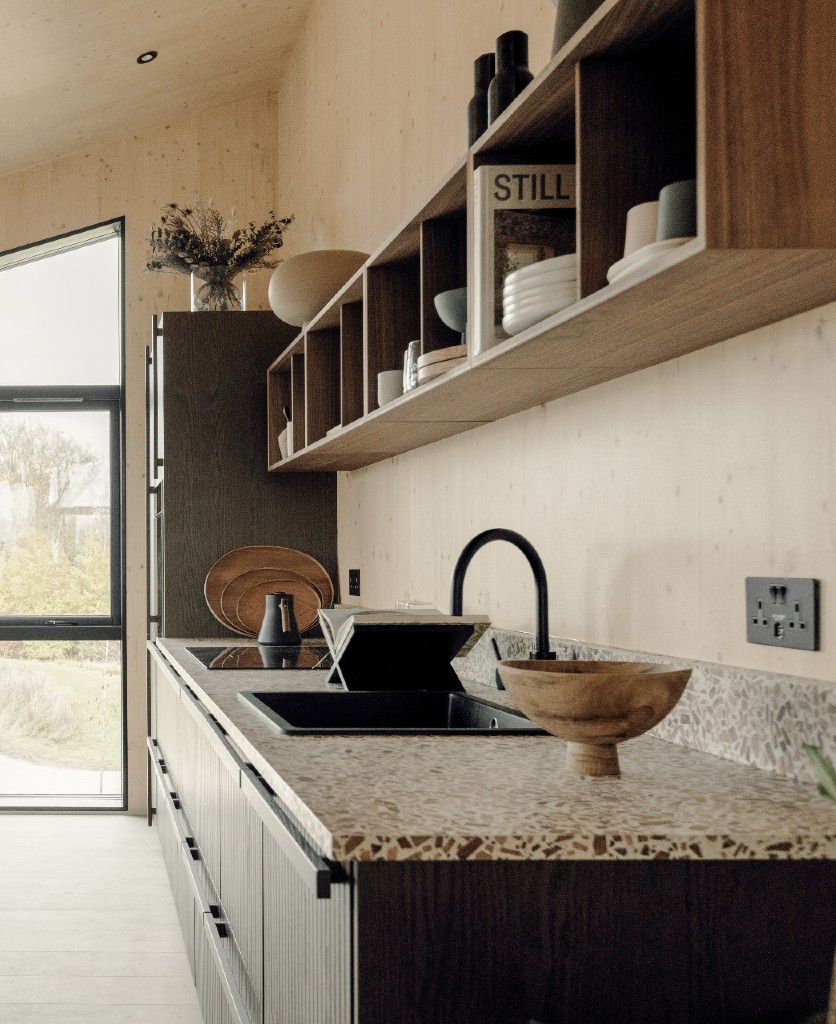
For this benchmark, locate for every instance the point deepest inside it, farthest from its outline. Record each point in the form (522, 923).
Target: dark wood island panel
(679, 942)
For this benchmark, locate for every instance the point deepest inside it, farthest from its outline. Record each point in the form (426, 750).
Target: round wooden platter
(261, 556)
(440, 355)
(306, 603)
(280, 580)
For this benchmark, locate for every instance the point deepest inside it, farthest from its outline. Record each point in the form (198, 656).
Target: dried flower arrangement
(193, 240)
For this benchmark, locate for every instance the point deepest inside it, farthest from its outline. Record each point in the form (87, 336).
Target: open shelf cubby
(645, 93)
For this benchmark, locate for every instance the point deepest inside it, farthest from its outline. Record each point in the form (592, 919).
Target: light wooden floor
(89, 932)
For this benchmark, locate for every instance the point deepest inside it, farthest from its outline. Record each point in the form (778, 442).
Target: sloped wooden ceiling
(69, 76)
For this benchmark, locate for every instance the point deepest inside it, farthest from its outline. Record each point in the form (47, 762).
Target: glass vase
(219, 289)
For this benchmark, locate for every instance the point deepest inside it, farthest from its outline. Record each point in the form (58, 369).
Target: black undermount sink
(411, 712)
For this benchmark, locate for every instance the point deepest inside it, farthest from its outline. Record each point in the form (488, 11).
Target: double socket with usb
(782, 612)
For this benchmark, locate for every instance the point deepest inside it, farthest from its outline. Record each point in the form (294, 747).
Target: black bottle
(512, 74)
(477, 110)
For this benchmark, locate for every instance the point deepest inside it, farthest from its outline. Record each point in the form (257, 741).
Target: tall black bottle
(512, 74)
(477, 110)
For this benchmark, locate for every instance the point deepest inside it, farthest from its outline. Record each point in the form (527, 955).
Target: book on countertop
(384, 649)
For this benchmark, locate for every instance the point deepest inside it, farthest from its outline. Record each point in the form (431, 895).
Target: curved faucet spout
(536, 563)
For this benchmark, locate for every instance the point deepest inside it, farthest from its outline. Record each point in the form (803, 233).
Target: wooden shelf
(547, 107)
(614, 332)
(648, 91)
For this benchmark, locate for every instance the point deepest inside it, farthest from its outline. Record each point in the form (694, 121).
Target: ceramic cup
(677, 210)
(641, 226)
(571, 14)
(389, 386)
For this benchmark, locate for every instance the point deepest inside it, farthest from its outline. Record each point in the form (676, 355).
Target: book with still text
(524, 213)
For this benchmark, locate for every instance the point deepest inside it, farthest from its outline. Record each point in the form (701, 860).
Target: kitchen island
(471, 879)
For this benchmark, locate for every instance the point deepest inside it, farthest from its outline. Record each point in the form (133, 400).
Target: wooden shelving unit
(648, 91)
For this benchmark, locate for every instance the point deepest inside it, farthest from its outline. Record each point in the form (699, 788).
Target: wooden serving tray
(426, 373)
(439, 355)
(251, 605)
(278, 580)
(263, 556)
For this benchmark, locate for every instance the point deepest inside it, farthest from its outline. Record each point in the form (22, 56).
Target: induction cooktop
(312, 654)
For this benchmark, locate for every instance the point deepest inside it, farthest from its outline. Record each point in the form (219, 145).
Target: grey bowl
(451, 306)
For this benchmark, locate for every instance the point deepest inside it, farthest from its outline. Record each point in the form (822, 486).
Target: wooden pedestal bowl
(593, 705)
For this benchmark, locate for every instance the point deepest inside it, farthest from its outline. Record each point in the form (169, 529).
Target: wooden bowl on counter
(594, 705)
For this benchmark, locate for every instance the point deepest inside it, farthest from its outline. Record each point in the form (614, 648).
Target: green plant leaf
(823, 770)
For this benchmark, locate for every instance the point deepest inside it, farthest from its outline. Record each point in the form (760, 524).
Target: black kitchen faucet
(541, 651)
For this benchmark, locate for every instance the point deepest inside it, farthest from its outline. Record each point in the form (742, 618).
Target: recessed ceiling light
(147, 57)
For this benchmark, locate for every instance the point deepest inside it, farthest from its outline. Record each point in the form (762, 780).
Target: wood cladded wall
(229, 154)
(650, 498)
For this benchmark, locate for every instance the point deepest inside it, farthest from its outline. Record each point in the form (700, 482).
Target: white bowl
(522, 319)
(301, 286)
(558, 297)
(543, 266)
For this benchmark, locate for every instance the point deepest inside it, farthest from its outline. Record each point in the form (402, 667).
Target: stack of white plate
(538, 291)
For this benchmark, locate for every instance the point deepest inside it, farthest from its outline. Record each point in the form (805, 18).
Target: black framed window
(60, 513)
(62, 651)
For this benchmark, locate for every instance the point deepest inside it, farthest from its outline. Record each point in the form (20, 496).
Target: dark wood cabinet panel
(685, 942)
(218, 494)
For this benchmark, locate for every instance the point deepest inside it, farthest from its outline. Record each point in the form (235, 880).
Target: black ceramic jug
(279, 628)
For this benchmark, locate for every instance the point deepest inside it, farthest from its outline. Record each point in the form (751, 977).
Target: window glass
(55, 513)
(60, 721)
(60, 317)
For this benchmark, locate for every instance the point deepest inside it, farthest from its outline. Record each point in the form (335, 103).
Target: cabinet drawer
(307, 946)
(165, 701)
(171, 844)
(204, 769)
(214, 776)
(241, 893)
(210, 992)
(225, 989)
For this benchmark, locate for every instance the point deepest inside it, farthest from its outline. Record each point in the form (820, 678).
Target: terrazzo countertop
(507, 797)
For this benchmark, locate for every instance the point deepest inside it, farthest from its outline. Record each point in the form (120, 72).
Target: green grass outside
(98, 715)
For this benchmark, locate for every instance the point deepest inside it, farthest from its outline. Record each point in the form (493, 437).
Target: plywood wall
(228, 154)
(650, 498)
(372, 108)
